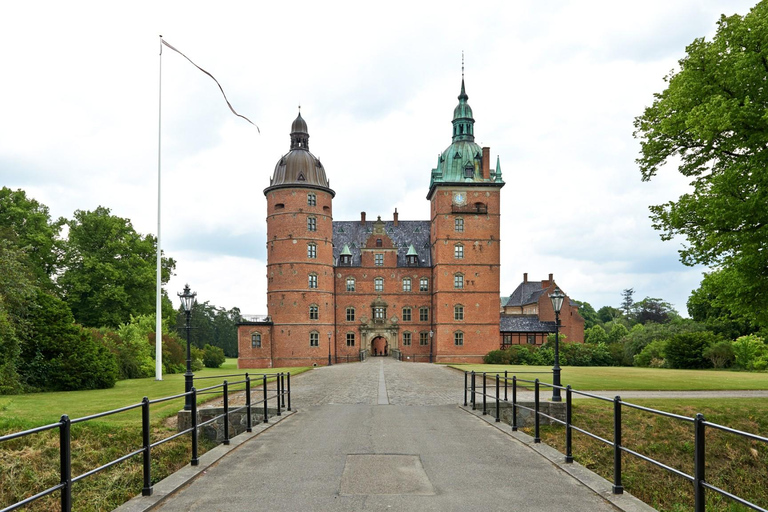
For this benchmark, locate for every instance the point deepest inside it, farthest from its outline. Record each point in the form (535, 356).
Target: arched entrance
(379, 346)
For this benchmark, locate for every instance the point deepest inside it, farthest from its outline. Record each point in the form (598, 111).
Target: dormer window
(469, 171)
(346, 259)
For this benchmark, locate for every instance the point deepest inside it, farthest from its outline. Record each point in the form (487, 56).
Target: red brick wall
(480, 267)
(248, 356)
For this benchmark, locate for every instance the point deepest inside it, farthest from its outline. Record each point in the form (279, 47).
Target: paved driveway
(383, 435)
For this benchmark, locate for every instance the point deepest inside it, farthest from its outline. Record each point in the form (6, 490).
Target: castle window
(469, 171)
(378, 260)
(424, 314)
(314, 312)
(314, 339)
(412, 260)
(423, 339)
(350, 339)
(311, 199)
(346, 259)
(313, 280)
(458, 338)
(378, 284)
(406, 339)
(279, 206)
(350, 314)
(458, 281)
(311, 251)
(406, 314)
(531, 339)
(458, 312)
(378, 242)
(379, 314)
(423, 284)
(458, 225)
(407, 284)
(506, 339)
(458, 251)
(350, 284)
(311, 224)
(256, 340)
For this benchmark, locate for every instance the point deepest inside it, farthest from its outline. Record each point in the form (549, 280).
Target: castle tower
(300, 283)
(465, 223)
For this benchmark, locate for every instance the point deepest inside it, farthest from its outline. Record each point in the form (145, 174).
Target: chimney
(486, 162)
(550, 279)
(525, 277)
(362, 218)
(395, 217)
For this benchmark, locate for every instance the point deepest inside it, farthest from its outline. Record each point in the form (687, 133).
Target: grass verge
(733, 463)
(31, 464)
(593, 378)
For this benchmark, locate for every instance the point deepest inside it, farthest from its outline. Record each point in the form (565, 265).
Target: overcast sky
(554, 87)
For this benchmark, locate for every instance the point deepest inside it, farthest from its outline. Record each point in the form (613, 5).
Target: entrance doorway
(379, 346)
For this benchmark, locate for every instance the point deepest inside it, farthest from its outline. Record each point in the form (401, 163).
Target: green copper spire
(463, 123)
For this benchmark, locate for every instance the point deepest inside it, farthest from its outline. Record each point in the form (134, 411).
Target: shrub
(595, 335)
(213, 357)
(652, 354)
(747, 350)
(721, 354)
(618, 331)
(686, 350)
(496, 357)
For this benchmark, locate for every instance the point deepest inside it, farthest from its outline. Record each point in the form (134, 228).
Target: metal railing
(698, 479)
(64, 425)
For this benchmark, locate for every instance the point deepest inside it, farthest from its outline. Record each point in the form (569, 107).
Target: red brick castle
(418, 290)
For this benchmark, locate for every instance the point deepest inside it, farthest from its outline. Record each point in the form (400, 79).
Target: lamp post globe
(187, 298)
(556, 297)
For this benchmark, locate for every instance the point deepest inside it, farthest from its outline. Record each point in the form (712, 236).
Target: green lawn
(630, 379)
(28, 410)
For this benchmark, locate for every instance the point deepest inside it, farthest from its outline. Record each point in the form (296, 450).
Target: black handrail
(699, 427)
(65, 439)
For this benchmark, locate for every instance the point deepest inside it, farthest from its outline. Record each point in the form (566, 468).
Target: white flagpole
(158, 304)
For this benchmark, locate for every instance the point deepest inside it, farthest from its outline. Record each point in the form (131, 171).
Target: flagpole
(158, 304)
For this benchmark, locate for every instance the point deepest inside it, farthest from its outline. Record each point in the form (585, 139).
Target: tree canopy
(110, 269)
(712, 121)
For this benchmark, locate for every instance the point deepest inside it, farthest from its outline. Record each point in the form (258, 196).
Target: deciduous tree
(711, 121)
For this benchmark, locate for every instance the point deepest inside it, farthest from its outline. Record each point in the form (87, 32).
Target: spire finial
(462, 65)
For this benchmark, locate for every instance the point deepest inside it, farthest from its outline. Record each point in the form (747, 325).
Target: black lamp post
(431, 334)
(187, 300)
(329, 348)
(557, 303)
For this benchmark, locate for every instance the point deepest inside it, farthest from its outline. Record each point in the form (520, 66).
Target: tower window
(469, 171)
(311, 199)
(350, 284)
(350, 339)
(406, 339)
(314, 312)
(378, 284)
(458, 251)
(378, 242)
(279, 206)
(423, 339)
(424, 314)
(350, 314)
(311, 224)
(458, 225)
(378, 260)
(423, 284)
(458, 338)
(312, 251)
(458, 281)
(407, 284)
(314, 339)
(313, 280)
(256, 340)
(406, 314)
(458, 312)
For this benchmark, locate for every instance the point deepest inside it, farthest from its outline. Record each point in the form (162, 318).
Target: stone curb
(174, 482)
(599, 485)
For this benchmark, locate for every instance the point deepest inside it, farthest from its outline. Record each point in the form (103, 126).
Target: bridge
(382, 435)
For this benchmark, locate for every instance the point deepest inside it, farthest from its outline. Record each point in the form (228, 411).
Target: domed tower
(300, 297)
(464, 193)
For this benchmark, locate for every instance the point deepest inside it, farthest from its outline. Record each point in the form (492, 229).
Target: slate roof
(526, 293)
(406, 233)
(524, 323)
